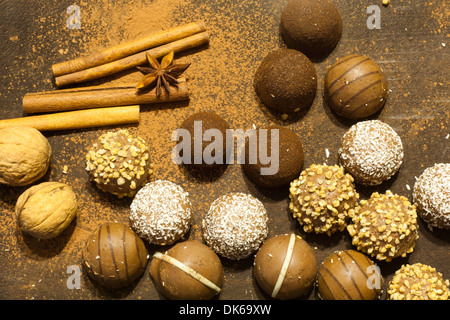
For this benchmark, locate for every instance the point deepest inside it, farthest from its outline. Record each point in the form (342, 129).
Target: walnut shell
(45, 210)
(24, 155)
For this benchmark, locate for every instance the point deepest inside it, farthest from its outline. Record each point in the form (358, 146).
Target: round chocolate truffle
(285, 154)
(313, 27)
(371, 151)
(385, 226)
(161, 212)
(114, 256)
(286, 82)
(285, 267)
(190, 270)
(235, 225)
(418, 282)
(213, 153)
(119, 163)
(432, 195)
(349, 275)
(322, 198)
(355, 87)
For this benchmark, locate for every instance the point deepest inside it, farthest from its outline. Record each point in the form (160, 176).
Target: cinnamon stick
(98, 97)
(78, 119)
(132, 60)
(128, 48)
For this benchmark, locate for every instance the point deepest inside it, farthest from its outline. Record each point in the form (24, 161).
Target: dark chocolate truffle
(322, 198)
(286, 81)
(385, 226)
(119, 163)
(418, 282)
(355, 87)
(349, 275)
(190, 270)
(313, 27)
(161, 212)
(288, 158)
(235, 225)
(203, 121)
(432, 195)
(285, 267)
(114, 256)
(371, 151)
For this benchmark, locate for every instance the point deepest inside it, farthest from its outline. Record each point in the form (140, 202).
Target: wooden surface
(411, 47)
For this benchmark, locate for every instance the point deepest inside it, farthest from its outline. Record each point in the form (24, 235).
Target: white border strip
(284, 267)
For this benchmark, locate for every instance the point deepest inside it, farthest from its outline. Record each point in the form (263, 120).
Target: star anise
(161, 75)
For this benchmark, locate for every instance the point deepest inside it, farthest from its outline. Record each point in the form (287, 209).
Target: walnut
(45, 210)
(24, 155)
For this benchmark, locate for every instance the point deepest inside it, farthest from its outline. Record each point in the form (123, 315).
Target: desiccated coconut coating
(418, 282)
(322, 197)
(431, 195)
(161, 212)
(385, 226)
(235, 225)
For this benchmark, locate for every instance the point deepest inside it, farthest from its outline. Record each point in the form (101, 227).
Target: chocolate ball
(161, 212)
(286, 160)
(313, 27)
(285, 267)
(114, 256)
(235, 225)
(190, 270)
(286, 81)
(418, 282)
(371, 151)
(355, 87)
(385, 226)
(431, 195)
(119, 163)
(322, 198)
(349, 275)
(203, 121)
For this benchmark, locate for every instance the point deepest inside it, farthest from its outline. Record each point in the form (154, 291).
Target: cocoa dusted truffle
(313, 27)
(161, 212)
(114, 256)
(322, 198)
(119, 163)
(431, 195)
(286, 82)
(235, 225)
(418, 282)
(289, 155)
(385, 226)
(355, 87)
(349, 275)
(285, 267)
(189, 270)
(371, 151)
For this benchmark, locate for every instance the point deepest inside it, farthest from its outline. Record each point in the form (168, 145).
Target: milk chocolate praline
(349, 275)
(177, 284)
(288, 156)
(355, 87)
(301, 268)
(114, 256)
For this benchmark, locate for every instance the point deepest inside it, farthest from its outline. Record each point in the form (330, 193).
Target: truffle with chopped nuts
(285, 267)
(371, 151)
(235, 225)
(161, 212)
(431, 195)
(384, 226)
(119, 163)
(349, 275)
(322, 197)
(418, 282)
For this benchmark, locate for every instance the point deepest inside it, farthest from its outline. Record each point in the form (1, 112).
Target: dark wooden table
(411, 47)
